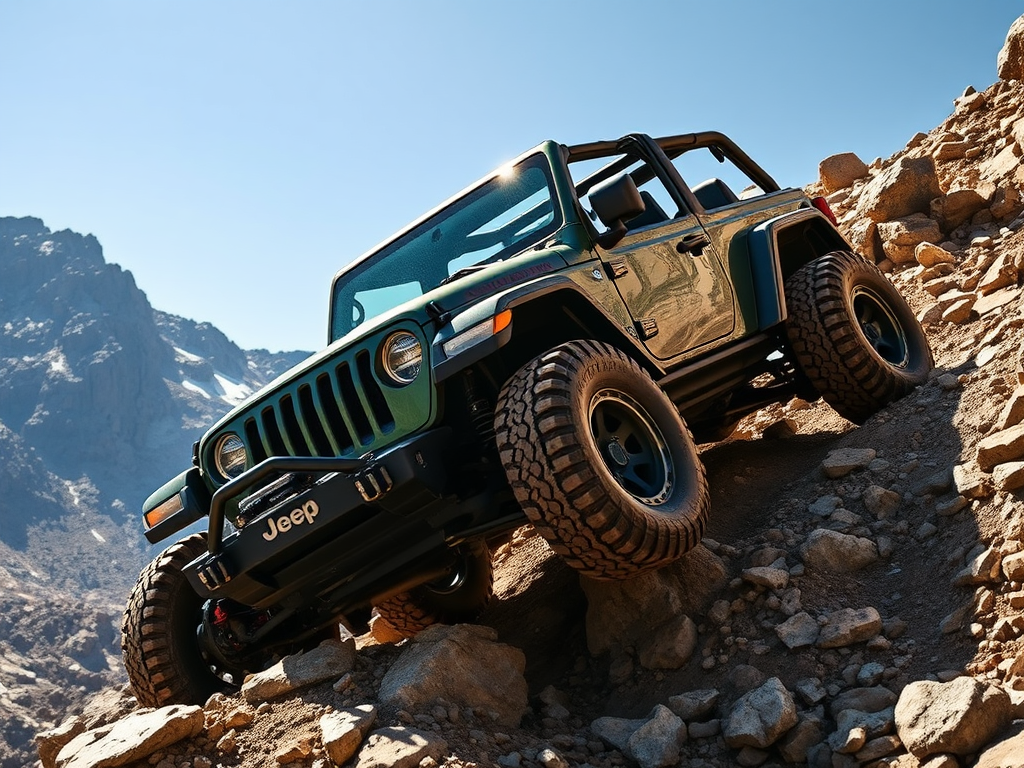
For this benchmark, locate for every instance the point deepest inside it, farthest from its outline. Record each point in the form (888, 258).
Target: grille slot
(378, 405)
(272, 433)
(310, 417)
(334, 423)
(293, 429)
(350, 399)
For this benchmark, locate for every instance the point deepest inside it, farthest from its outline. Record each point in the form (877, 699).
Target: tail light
(822, 205)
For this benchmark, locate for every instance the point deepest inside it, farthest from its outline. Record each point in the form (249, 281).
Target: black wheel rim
(631, 446)
(880, 327)
(453, 580)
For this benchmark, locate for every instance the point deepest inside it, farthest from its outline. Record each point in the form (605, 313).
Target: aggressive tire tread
(830, 347)
(566, 498)
(158, 641)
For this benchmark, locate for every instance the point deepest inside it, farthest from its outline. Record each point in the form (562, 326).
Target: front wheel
(601, 461)
(459, 595)
(853, 335)
(159, 641)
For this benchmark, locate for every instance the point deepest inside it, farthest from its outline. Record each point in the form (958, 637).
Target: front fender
(176, 505)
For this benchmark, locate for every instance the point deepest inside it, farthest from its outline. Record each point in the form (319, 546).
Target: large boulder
(908, 186)
(958, 717)
(462, 664)
(132, 738)
(1010, 61)
(330, 659)
(840, 171)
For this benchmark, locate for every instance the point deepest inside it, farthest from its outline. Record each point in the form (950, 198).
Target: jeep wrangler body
(539, 348)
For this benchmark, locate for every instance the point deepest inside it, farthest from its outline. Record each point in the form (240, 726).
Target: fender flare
(491, 306)
(766, 267)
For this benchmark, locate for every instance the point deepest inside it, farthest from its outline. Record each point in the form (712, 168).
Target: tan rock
(957, 717)
(1013, 412)
(971, 482)
(1009, 476)
(330, 659)
(957, 207)
(840, 171)
(835, 551)
(1003, 166)
(462, 664)
(970, 102)
(1001, 274)
(995, 300)
(132, 738)
(959, 311)
(863, 236)
(900, 237)
(1010, 60)
(950, 150)
(1008, 753)
(1001, 447)
(400, 747)
(1006, 202)
(1013, 567)
(847, 626)
(343, 731)
(929, 255)
(907, 186)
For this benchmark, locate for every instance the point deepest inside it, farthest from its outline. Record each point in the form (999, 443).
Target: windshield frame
(536, 158)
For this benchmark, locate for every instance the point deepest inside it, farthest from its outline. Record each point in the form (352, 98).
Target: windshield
(492, 222)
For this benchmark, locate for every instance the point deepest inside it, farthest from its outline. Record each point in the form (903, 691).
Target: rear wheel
(159, 641)
(457, 596)
(600, 461)
(853, 334)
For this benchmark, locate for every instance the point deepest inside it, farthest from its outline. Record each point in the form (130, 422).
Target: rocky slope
(858, 600)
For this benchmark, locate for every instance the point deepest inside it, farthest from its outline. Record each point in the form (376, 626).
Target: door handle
(693, 244)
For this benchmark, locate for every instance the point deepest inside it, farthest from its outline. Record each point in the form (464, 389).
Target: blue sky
(234, 155)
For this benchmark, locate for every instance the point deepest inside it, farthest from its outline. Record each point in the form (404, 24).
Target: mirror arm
(612, 237)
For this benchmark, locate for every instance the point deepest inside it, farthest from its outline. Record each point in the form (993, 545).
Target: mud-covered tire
(601, 461)
(158, 632)
(854, 336)
(457, 597)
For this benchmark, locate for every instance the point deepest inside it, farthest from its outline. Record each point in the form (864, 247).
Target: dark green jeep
(545, 347)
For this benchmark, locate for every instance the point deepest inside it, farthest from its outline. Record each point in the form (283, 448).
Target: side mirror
(615, 202)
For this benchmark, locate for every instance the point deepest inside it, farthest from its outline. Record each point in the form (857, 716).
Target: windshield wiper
(460, 273)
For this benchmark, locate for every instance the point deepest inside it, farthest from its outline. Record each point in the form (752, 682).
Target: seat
(714, 193)
(652, 214)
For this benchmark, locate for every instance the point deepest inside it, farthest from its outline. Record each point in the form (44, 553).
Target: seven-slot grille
(327, 413)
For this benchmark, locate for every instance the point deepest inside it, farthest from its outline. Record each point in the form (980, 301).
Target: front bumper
(325, 526)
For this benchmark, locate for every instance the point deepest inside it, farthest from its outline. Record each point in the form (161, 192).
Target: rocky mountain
(101, 398)
(858, 601)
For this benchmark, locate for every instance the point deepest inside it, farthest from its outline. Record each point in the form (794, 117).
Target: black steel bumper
(348, 523)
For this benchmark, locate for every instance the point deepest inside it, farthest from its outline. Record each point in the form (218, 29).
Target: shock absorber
(481, 412)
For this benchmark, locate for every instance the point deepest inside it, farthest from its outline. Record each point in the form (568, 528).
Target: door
(665, 268)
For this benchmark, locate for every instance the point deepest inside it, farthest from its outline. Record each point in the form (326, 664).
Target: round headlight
(401, 357)
(229, 456)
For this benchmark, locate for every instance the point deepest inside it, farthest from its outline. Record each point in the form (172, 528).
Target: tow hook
(372, 482)
(214, 573)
